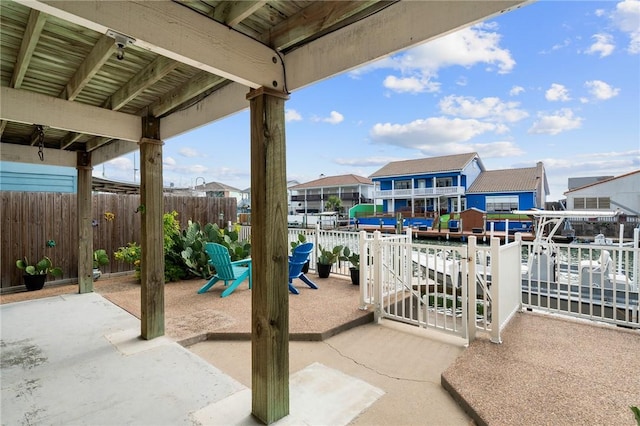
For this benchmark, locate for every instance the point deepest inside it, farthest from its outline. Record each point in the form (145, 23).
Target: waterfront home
(619, 192)
(454, 183)
(311, 197)
(502, 191)
(426, 184)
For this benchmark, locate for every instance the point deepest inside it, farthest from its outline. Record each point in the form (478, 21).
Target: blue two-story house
(454, 183)
(435, 184)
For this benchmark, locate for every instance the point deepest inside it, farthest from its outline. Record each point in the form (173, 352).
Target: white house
(619, 192)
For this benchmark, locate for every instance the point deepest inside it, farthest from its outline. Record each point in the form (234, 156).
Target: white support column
(495, 290)
(472, 288)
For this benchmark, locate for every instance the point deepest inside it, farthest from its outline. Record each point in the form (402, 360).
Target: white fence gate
(447, 288)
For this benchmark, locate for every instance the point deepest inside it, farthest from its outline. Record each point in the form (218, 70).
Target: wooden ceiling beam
(177, 32)
(29, 154)
(113, 150)
(34, 108)
(200, 83)
(100, 54)
(69, 139)
(315, 18)
(399, 26)
(153, 72)
(35, 24)
(241, 10)
(96, 143)
(223, 102)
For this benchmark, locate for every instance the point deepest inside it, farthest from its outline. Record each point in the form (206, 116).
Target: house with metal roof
(427, 184)
(501, 191)
(311, 197)
(619, 192)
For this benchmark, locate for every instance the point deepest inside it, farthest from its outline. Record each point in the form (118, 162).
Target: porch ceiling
(186, 62)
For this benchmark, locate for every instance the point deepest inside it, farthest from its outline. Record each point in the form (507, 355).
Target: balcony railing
(345, 196)
(420, 192)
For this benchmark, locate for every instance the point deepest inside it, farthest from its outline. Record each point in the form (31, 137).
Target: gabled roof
(216, 186)
(506, 180)
(603, 181)
(447, 163)
(333, 181)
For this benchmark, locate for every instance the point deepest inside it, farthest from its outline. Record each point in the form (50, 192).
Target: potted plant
(302, 238)
(36, 274)
(354, 269)
(100, 258)
(326, 259)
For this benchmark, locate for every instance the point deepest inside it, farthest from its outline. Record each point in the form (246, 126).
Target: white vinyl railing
(465, 289)
(589, 281)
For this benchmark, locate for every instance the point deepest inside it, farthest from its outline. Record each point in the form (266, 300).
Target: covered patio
(86, 82)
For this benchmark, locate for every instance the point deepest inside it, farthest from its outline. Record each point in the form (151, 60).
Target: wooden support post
(269, 251)
(85, 230)
(152, 265)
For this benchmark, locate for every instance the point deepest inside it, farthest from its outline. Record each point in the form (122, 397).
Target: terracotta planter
(34, 282)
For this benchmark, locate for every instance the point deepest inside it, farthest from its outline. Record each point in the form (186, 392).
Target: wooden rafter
(153, 72)
(317, 17)
(69, 139)
(200, 83)
(240, 10)
(100, 53)
(35, 24)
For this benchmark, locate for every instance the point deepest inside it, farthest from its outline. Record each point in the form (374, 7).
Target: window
(502, 204)
(592, 203)
(444, 182)
(402, 184)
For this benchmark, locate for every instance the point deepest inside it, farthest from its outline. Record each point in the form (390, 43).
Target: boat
(598, 278)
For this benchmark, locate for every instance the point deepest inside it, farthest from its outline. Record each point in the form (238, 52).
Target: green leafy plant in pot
(36, 274)
(100, 258)
(354, 269)
(326, 259)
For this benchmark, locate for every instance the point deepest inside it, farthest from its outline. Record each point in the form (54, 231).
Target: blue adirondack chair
(297, 260)
(226, 270)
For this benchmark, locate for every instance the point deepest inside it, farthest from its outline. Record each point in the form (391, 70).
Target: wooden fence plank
(30, 219)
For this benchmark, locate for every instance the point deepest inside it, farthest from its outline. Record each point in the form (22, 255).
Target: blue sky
(555, 81)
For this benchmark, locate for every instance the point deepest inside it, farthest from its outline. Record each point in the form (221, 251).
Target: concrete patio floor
(546, 371)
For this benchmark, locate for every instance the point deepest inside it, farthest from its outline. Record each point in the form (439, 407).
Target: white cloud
(603, 45)
(419, 66)
(601, 90)
(292, 115)
(433, 135)
(557, 92)
(169, 161)
(366, 161)
(555, 123)
(626, 18)
(516, 90)
(334, 118)
(503, 149)
(492, 109)
(189, 152)
(410, 84)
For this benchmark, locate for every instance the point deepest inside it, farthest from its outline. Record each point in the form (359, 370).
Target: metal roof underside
(66, 85)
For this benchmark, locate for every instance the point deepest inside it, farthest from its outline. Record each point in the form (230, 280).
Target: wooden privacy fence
(31, 219)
